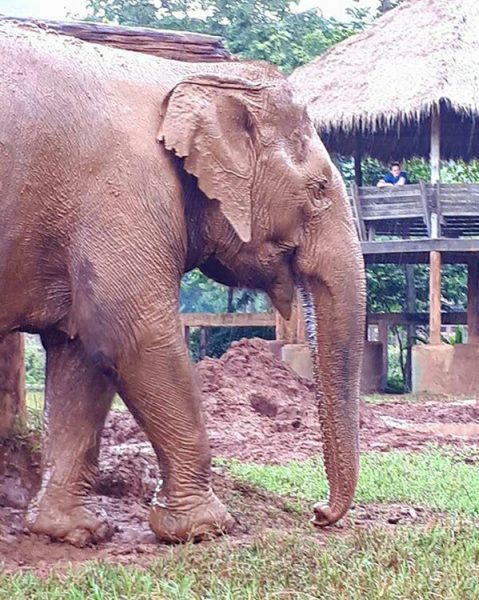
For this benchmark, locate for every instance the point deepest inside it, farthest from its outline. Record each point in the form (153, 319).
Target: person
(394, 176)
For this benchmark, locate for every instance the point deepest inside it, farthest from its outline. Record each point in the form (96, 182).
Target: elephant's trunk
(334, 306)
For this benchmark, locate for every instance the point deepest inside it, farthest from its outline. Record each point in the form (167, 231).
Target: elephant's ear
(206, 120)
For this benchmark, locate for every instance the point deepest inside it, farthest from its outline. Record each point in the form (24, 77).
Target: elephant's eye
(321, 186)
(318, 188)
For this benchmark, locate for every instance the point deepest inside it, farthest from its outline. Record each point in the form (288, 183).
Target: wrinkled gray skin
(119, 172)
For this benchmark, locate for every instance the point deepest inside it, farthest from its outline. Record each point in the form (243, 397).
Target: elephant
(120, 172)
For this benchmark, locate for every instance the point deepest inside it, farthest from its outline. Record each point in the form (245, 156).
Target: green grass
(422, 562)
(35, 403)
(433, 479)
(409, 564)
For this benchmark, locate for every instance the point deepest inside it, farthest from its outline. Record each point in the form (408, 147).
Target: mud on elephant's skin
(119, 172)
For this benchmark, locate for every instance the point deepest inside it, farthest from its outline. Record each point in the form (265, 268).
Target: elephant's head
(275, 217)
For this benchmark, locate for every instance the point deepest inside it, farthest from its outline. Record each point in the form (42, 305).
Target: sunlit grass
(432, 479)
(35, 401)
(404, 564)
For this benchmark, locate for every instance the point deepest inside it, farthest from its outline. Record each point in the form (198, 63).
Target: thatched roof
(178, 45)
(384, 81)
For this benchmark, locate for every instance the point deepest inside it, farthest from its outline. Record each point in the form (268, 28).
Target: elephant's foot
(69, 520)
(191, 519)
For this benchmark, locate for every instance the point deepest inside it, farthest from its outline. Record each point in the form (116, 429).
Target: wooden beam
(473, 302)
(12, 384)
(435, 298)
(356, 205)
(425, 207)
(358, 169)
(228, 319)
(423, 245)
(447, 318)
(178, 45)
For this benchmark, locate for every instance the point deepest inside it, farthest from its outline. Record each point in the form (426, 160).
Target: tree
(253, 29)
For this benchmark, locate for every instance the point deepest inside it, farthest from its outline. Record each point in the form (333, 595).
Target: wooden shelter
(411, 75)
(408, 86)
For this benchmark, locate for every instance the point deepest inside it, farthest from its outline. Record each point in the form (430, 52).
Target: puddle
(460, 430)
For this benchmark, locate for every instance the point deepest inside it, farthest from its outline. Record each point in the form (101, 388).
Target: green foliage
(34, 361)
(200, 294)
(254, 29)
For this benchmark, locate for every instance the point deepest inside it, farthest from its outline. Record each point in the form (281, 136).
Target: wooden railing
(442, 210)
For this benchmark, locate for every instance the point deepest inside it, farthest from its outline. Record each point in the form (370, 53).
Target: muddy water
(465, 431)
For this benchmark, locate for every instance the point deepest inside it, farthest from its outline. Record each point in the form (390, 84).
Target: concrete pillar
(12, 383)
(298, 357)
(473, 302)
(292, 331)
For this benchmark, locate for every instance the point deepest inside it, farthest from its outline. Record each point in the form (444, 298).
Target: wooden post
(435, 257)
(203, 343)
(358, 169)
(357, 212)
(411, 329)
(383, 337)
(12, 383)
(435, 298)
(473, 302)
(435, 156)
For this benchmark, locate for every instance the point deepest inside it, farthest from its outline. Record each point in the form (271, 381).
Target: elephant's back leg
(12, 383)
(77, 400)
(158, 385)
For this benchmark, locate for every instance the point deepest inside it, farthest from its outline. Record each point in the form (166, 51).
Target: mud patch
(257, 409)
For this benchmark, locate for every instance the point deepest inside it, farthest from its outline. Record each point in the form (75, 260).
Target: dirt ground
(256, 410)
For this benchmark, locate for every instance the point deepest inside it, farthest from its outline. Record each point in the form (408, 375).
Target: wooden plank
(358, 169)
(425, 207)
(356, 205)
(473, 302)
(179, 45)
(228, 319)
(435, 298)
(447, 318)
(427, 245)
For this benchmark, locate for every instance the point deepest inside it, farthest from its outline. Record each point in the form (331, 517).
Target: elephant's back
(31, 54)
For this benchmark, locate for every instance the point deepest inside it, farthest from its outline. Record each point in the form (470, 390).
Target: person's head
(395, 168)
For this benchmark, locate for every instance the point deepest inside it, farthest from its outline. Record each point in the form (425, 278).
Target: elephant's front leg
(77, 400)
(161, 391)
